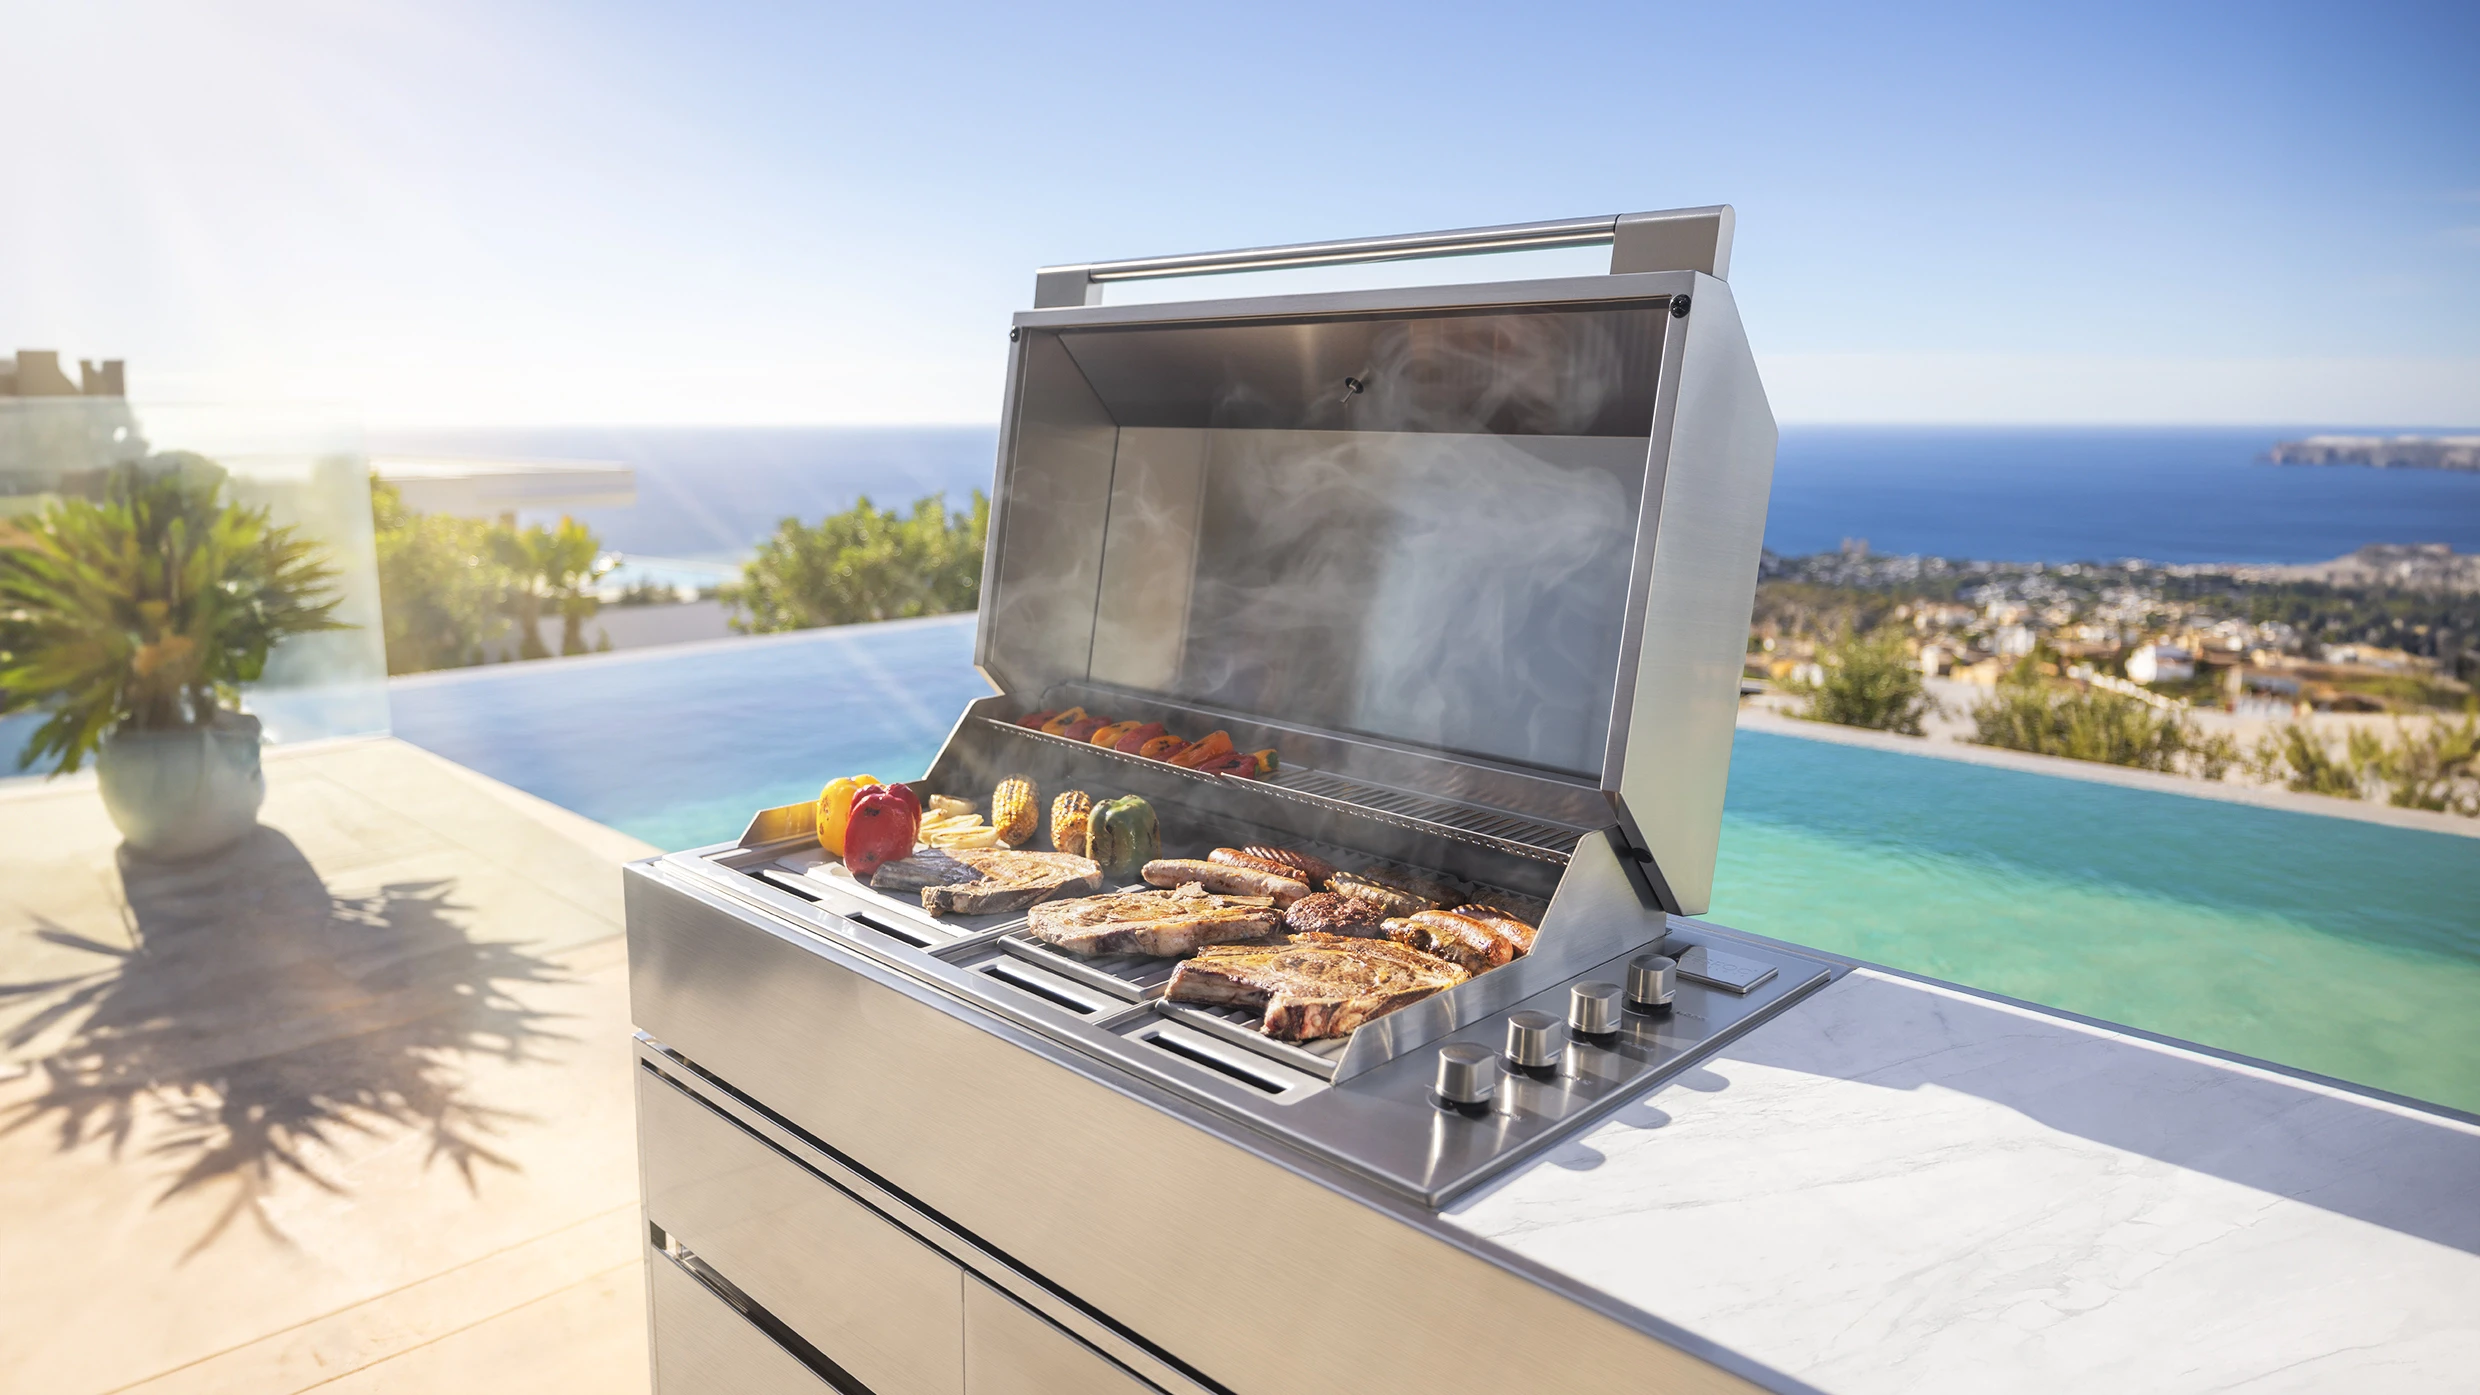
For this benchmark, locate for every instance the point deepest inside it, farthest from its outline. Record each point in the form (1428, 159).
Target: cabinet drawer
(703, 1347)
(1010, 1350)
(877, 1302)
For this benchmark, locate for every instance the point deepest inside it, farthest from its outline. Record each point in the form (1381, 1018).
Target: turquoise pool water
(2337, 946)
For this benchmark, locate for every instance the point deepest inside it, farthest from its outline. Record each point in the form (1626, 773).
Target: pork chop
(1312, 985)
(987, 881)
(1162, 923)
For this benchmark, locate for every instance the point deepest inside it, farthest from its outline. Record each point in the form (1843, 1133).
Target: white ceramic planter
(176, 795)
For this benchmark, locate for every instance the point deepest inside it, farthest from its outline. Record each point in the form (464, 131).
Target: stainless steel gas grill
(1477, 562)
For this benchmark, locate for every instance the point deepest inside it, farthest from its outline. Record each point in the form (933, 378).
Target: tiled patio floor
(346, 1109)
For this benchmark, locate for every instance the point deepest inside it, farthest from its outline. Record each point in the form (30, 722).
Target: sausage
(1231, 881)
(1470, 944)
(1313, 870)
(1521, 930)
(1235, 857)
(1389, 899)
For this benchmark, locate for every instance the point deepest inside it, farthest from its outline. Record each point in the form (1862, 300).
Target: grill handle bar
(1678, 239)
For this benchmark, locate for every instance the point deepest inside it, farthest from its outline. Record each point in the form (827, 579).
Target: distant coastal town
(2358, 677)
(2382, 452)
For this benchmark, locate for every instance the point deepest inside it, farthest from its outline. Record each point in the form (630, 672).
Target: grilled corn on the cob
(1013, 811)
(1069, 813)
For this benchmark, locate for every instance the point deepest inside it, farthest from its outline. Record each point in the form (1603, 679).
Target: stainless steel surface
(1193, 516)
(1533, 1039)
(977, 1110)
(1371, 1119)
(702, 1347)
(1702, 964)
(1690, 596)
(1009, 1350)
(880, 1303)
(1467, 1074)
(1651, 981)
(981, 1264)
(1680, 239)
(1593, 1009)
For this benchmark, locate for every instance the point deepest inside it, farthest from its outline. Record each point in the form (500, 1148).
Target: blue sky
(454, 212)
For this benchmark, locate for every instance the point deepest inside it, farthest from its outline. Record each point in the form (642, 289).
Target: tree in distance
(864, 564)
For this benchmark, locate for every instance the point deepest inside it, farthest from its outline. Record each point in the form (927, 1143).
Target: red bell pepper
(1036, 719)
(1134, 739)
(886, 821)
(1239, 763)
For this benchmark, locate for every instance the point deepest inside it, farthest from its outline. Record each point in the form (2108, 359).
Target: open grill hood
(1493, 543)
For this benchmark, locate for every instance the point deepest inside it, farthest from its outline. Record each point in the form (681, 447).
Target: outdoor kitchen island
(1432, 599)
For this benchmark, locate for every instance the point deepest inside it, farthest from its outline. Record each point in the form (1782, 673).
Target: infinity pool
(2337, 946)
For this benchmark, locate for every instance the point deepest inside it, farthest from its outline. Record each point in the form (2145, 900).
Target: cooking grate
(1420, 813)
(1123, 992)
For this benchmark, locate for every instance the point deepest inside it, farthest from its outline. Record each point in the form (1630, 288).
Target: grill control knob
(1650, 982)
(1593, 1009)
(1467, 1074)
(1533, 1040)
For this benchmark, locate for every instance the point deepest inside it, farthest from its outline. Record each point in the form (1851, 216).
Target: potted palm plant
(132, 621)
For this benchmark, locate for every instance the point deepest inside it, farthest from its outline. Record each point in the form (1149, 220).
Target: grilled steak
(1304, 868)
(1312, 985)
(1163, 923)
(1393, 901)
(1217, 876)
(1330, 914)
(1523, 930)
(986, 881)
(1476, 946)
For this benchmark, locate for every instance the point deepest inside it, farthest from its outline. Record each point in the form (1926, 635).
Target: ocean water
(2029, 494)
(2337, 946)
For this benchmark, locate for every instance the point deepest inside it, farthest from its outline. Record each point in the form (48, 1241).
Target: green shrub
(864, 564)
(443, 584)
(2024, 715)
(1870, 681)
(2438, 768)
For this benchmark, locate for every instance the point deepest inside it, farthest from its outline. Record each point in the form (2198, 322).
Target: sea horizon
(2166, 494)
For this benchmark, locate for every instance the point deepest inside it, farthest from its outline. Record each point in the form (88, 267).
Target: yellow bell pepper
(835, 809)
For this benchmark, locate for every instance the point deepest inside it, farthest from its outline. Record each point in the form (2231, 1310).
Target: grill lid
(1507, 527)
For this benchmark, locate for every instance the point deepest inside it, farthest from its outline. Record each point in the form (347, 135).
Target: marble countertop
(1898, 1187)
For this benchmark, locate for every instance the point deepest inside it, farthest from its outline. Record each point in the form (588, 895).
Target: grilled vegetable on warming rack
(1070, 813)
(1013, 811)
(1215, 745)
(1135, 738)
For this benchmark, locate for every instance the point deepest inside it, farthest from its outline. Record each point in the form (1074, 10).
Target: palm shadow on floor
(261, 1021)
